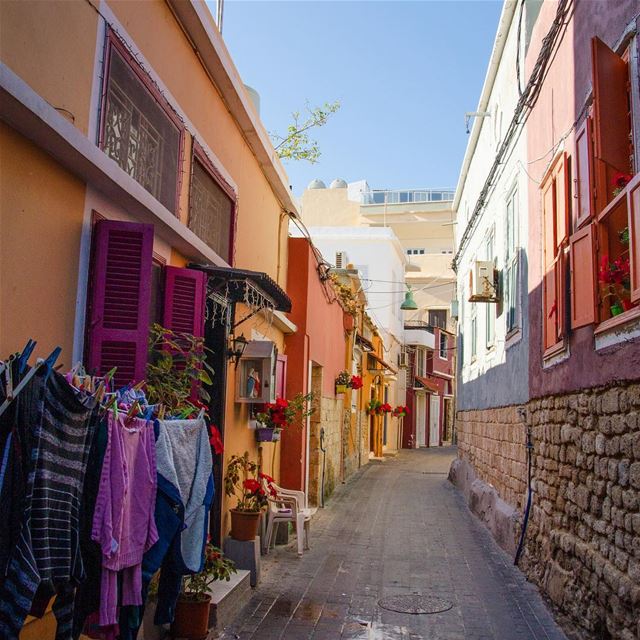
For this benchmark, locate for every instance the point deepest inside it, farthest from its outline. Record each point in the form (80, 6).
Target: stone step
(229, 598)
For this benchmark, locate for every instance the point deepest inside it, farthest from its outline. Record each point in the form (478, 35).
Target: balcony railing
(418, 325)
(385, 196)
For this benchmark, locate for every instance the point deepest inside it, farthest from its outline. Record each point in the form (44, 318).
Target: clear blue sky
(404, 72)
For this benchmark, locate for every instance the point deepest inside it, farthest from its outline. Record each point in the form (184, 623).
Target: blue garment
(165, 555)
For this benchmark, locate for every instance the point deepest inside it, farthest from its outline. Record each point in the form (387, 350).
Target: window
(211, 209)
(444, 347)
(604, 236)
(438, 318)
(415, 252)
(555, 205)
(420, 362)
(511, 290)
(139, 130)
(490, 319)
(474, 331)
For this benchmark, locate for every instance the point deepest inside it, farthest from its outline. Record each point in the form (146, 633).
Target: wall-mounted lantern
(236, 348)
(409, 303)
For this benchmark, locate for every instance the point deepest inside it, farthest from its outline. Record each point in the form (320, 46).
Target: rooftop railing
(386, 196)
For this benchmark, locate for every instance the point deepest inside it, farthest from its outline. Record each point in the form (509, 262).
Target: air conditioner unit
(483, 282)
(341, 260)
(403, 359)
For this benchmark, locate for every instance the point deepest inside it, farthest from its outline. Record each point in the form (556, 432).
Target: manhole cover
(415, 603)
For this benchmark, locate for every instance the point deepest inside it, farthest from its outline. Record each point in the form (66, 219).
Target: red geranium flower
(215, 440)
(252, 485)
(621, 180)
(356, 382)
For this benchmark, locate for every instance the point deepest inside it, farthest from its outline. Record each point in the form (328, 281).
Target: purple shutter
(119, 299)
(184, 299)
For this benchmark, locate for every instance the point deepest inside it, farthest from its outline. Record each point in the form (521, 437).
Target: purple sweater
(123, 522)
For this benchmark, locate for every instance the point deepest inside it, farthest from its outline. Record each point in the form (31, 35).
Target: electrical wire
(521, 113)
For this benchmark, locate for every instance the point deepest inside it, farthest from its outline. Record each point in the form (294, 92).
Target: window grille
(210, 211)
(138, 134)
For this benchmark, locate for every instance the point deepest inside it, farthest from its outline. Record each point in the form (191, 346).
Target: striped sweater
(57, 428)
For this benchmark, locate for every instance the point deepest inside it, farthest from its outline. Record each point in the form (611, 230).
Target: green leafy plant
(242, 480)
(284, 413)
(296, 144)
(195, 587)
(177, 370)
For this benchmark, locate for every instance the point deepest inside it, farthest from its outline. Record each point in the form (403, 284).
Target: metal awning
(380, 361)
(427, 384)
(366, 344)
(236, 280)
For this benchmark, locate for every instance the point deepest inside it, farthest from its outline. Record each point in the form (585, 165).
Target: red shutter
(560, 176)
(633, 208)
(611, 122)
(560, 271)
(583, 277)
(549, 231)
(184, 300)
(119, 299)
(281, 377)
(584, 175)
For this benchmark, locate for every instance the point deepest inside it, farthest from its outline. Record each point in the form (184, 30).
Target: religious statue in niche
(254, 388)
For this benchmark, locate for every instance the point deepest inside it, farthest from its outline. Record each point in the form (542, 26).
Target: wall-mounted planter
(264, 434)
(341, 388)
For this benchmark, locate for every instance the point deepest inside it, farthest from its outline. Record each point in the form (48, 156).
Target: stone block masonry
(583, 539)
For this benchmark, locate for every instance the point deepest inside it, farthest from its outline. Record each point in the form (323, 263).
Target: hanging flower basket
(265, 434)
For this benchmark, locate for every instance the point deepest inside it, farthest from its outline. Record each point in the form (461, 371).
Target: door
(421, 414)
(434, 421)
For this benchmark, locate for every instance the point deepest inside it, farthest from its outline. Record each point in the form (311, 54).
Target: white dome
(317, 184)
(338, 183)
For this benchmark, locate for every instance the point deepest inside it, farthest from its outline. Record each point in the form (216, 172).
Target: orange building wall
(51, 45)
(40, 226)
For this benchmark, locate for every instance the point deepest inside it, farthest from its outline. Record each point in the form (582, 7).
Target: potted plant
(619, 182)
(374, 407)
(356, 382)
(386, 408)
(343, 382)
(401, 411)
(192, 609)
(615, 281)
(280, 414)
(242, 481)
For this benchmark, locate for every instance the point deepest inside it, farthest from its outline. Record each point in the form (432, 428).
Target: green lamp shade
(409, 303)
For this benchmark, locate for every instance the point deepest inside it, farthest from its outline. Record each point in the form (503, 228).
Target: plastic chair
(288, 505)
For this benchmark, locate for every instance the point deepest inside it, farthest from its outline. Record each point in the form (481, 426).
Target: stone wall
(328, 416)
(583, 539)
(493, 442)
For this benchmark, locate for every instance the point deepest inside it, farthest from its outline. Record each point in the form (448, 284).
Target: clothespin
(99, 393)
(25, 355)
(133, 409)
(161, 412)
(139, 386)
(8, 376)
(51, 360)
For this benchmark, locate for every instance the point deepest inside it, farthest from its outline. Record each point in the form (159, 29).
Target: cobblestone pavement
(397, 527)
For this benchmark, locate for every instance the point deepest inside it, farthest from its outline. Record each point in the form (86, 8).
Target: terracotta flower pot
(191, 619)
(244, 524)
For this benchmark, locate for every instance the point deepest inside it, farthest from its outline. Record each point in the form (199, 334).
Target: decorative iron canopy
(235, 283)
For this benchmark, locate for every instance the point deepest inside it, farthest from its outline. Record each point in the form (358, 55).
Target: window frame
(512, 259)
(443, 335)
(198, 154)
(113, 41)
(490, 311)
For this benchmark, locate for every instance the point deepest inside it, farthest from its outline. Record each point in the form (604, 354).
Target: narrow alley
(397, 527)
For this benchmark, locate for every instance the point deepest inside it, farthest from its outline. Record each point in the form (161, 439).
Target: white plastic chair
(288, 506)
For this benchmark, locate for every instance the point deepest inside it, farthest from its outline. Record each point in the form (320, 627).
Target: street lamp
(409, 303)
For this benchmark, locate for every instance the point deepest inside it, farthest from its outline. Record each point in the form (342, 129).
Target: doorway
(434, 421)
(421, 413)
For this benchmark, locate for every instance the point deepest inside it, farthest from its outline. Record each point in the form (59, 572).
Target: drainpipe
(324, 457)
(525, 521)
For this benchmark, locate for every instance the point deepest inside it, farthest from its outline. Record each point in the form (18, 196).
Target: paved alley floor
(397, 527)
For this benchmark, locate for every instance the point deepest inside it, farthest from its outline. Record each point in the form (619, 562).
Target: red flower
(264, 476)
(386, 408)
(215, 440)
(621, 180)
(252, 485)
(356, 382)
(281, 403)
